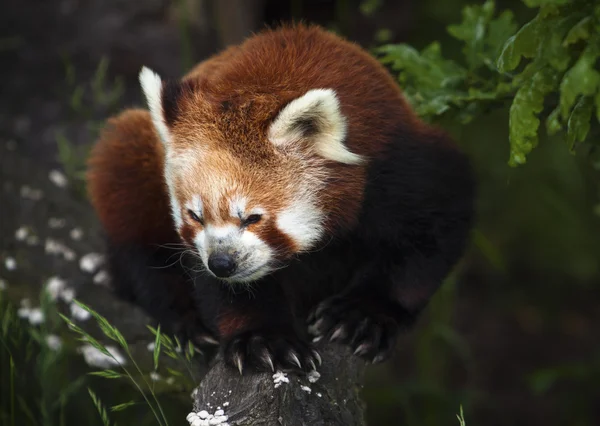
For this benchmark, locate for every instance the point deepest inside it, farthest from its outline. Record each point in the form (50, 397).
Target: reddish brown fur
(126, 183)
(239, 92)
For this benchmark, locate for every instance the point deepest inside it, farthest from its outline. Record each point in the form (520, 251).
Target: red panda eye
(253, 218)
(195, 217)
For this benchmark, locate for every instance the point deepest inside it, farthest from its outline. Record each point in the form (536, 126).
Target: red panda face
(248, 180)
(244, 221)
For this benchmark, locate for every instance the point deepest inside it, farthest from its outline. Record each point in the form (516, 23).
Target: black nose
(222, 265)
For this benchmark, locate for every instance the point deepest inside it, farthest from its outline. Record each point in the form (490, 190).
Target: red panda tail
(126, 182)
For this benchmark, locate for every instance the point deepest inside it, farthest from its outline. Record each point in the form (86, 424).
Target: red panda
(280, 193)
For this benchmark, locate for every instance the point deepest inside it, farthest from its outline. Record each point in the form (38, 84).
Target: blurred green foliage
(557, 81)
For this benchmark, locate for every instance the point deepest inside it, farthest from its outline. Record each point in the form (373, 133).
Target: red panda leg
(258, 331)
(128, 192)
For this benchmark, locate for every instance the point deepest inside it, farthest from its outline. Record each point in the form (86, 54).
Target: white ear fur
(320, 107)
(152, 87)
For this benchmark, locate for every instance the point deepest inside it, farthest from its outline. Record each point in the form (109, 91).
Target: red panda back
(126, 181)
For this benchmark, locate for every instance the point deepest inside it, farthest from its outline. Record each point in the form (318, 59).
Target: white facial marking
(251, 254)
(195, 205)
(322, 108)
(237, 207)
(152, 87)
(175, 206)
(302, 221)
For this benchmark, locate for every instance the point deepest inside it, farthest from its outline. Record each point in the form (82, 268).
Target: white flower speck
(90, 262)
(154, 376)
(21, 233)
(204, 418)
(306, 389)
(53, 342)
(32, 240)
(31, 193)
(56, 247)
(56, 223)
(58, 178)
(101, 278)
(96, 358)
(79, 313)
(151, 346)
(55, 286)
(10, 263)
(76, 234)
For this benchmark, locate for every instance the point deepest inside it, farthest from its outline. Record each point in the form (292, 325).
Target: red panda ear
(314, 117)
(162, 98)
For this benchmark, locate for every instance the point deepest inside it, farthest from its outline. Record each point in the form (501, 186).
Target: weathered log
(290, 399)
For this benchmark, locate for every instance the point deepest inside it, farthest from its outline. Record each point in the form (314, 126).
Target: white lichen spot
(90, 262)
(313, 376)
(10, 263)
(319, 394)
(53, 342)
(58, 178)
(101, 278)
(204, 418)
(78, 313)
(76, 234)
(56, 223)
(226, 404)
(96, 358)
(279, 378)
(306, 389)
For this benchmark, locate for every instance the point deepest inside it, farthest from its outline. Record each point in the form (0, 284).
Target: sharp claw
(295, 360)
(209, 339)
(361, 349)
(238, 362)
(312, 364)
(317, 356)
(268, 360)
(316, 339)
(337, 333)
(378, 358)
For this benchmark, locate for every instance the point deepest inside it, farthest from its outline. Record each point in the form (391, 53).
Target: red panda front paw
(366, 326)
(269, 351)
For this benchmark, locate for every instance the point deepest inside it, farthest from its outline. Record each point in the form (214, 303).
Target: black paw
(269, 351)
(367, 327)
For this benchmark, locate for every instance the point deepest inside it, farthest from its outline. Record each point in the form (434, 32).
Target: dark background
(512, 336)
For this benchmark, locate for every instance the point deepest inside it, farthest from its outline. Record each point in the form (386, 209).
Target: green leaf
(541, 3)
(107, 374)
(500, 30)
(523, 118)
(108, 330)
(581, 79)
(472, 31)
(523, 44)
(121, 407)
(156, 353)
(553, 124)
(598, 106)
(578, 125)
(580, 31)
